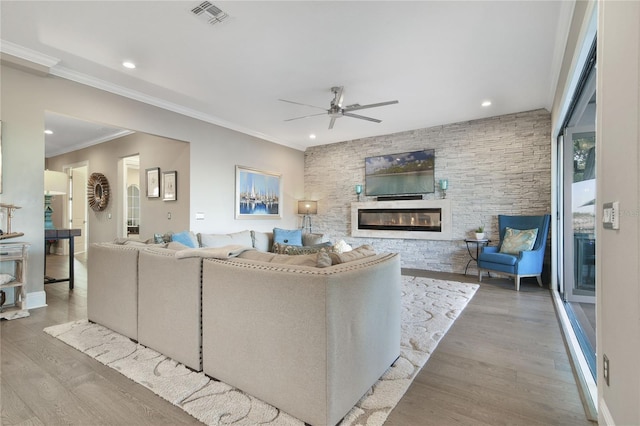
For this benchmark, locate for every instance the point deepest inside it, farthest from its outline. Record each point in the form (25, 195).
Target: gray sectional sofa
(309, 340)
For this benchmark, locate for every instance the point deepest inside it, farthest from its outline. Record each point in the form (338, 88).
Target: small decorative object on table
(480, 233)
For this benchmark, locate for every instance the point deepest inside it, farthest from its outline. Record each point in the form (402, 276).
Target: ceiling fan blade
(361, 117)
(305, 116)
(332, 122)
(357, 107)
(298, 103)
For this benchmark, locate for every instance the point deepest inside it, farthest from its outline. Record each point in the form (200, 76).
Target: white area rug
(429, 308)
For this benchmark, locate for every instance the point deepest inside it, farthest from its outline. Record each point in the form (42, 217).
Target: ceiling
(440, 60)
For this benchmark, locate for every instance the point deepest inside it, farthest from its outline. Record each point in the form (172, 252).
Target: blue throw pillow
(187, 238)
(292, 237)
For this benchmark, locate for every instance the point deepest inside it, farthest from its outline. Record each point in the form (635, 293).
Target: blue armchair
(524, 264)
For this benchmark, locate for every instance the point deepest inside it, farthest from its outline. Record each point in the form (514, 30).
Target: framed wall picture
(153, 182)
(258, 194)
(170, 186)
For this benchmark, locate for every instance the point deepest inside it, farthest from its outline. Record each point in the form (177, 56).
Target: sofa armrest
(112, 287)
(310, 341)
(169, 305)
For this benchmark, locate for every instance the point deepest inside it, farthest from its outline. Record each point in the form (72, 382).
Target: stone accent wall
(498, 165)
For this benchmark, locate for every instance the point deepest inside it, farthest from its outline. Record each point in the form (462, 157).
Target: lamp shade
(307, 207)
(55, 183)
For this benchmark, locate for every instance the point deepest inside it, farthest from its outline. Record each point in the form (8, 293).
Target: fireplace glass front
(407, 219)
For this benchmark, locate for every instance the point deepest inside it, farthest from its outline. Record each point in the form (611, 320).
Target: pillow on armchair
(517, 240)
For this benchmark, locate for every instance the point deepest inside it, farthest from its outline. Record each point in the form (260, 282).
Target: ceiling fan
(336, 110)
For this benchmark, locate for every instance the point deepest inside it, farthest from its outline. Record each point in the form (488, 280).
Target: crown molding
(27, 54)
(69, 74)
(89, 143)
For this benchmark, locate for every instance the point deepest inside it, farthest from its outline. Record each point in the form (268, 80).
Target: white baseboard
(605, 415)
(36, 299)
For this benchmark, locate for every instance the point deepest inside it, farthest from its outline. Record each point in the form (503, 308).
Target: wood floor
(502, 362)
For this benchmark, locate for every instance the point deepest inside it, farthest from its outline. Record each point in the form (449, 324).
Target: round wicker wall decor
(98, 191)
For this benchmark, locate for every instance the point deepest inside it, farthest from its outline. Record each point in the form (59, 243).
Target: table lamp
(307, 208)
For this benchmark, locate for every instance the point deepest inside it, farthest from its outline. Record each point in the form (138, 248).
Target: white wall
(214, 153)
(618, 252)
(154, 151)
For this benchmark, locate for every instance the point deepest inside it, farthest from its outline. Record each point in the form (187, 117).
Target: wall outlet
(605, 369)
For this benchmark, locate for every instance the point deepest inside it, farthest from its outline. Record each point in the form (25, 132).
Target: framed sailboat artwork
(258, 194)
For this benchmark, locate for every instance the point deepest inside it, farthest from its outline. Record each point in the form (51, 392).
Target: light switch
(611, 215)
(199, 216)
(169, 215)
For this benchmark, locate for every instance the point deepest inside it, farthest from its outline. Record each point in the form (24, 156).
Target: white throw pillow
(342, 247)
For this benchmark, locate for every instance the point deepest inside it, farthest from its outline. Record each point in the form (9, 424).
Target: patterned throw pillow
(297, 250)
(517, 240)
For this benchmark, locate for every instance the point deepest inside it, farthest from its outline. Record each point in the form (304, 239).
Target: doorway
(131, 196)
(76, 213)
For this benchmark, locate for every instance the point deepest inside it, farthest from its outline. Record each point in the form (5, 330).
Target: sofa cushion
(297, 250)
(517, 240)
(262, 240)
(309, 239)
(262, 256)
(499, 258)
(242, 238)
(355, 254)
(292, 237)
(174, 245)
(318, 260)
(187, 238)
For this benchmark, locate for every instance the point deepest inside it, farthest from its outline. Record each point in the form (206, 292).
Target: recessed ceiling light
(48, 132)
(486, 103)
(312, 136)
(129, 64)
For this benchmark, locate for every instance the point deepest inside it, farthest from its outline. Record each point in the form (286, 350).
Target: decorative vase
(479, 235)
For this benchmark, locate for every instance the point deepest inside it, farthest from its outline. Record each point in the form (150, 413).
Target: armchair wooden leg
(479, 275)
(517, 278)
(539, 278)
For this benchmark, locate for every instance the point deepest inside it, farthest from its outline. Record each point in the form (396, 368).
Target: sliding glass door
(576, 220)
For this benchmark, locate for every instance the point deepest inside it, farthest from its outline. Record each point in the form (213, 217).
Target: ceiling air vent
(211, 13)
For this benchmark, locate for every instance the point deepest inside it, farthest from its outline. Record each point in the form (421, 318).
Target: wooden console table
(61, 234)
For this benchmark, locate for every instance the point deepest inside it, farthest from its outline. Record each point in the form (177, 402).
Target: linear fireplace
(418, 219)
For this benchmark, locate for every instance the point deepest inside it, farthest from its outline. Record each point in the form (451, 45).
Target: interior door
(78, 206)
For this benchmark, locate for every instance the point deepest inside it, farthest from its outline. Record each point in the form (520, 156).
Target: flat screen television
(400, 174)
